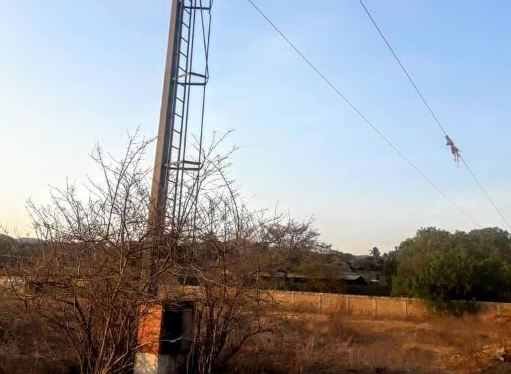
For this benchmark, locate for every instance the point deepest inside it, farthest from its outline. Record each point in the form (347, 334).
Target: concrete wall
(374, 306)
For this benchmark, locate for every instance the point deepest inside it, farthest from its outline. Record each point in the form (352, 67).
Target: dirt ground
(346, 344)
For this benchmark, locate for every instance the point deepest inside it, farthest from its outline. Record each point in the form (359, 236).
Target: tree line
(441, 267)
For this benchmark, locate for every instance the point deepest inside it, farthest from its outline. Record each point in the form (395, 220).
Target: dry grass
(296, 346)
(27, 346)
(309, 343)
(304, 343)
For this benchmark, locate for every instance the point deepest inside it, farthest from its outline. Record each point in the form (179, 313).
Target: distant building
(282, 279)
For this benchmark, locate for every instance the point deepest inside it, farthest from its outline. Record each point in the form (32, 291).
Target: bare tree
(87, 282)
(230, 307)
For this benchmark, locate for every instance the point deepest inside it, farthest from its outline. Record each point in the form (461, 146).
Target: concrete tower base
(164, 335)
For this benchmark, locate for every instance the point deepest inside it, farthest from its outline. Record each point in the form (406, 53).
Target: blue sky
(76, 73)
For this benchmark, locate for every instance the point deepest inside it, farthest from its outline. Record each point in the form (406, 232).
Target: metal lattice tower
(179, 153)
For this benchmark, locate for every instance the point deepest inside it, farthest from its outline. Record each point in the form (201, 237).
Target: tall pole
(159, 188)
(148, 359)
(177, 167)
(160, 181)
(177, 163)
(189, 77)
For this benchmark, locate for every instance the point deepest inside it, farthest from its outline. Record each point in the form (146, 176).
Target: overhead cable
(454, 149)
(359, 113)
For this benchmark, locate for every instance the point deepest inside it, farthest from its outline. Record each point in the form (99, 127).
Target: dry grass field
(27, 346)
(345, 344)
(305, 343)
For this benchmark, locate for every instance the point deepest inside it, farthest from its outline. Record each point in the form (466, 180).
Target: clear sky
(73, 73)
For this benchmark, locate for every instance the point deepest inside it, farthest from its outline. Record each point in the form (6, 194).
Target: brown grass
(309, 343)
(303, 343)
(27, 345)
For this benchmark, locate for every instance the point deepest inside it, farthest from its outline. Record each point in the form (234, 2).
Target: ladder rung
(191, 162)
(179, 115)
(198, 75)
(184, 168)
(178, 99)
(185, 162)
(186, 40)
(185, 24)
(185, 55)
(191, 83)
(177, 131)
(198, 7)
(173, 146)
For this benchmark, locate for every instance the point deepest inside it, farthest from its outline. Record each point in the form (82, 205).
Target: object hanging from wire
(454, 150)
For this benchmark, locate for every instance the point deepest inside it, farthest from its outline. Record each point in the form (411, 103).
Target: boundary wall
(370, 306)
(374, 306)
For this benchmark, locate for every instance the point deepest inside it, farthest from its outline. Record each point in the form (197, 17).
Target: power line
(485, 192)
(430, 110)
(404, 69)
(360, 114)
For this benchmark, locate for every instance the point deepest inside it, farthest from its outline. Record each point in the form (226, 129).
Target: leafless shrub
(222, 263)
(230, 308)
(87, 281)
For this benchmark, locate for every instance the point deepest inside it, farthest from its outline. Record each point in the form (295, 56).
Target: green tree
(441, 267)
(375, 252)
(389, 265)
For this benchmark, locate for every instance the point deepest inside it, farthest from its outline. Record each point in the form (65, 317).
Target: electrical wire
(360, 114)
(437, 121)
(430, 110)
(485, 192)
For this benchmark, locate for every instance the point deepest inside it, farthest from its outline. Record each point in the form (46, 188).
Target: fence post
(375, 307)
(347, 304)
(320, 303)
(405, 306)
